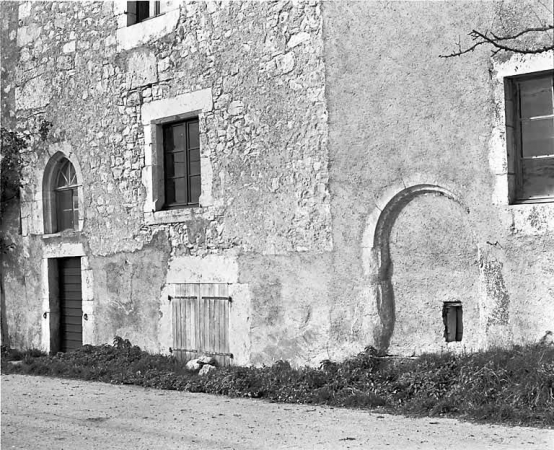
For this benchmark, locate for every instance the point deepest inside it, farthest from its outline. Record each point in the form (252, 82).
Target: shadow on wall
(408, 321)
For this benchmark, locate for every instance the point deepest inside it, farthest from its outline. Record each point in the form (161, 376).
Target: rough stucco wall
(8, 24)
(434, 260)
(527, 265)
(290, 208)
(265, 138)
(290, 307)
(258, 78)
(22, 291)
(127, 290)
(400, 116)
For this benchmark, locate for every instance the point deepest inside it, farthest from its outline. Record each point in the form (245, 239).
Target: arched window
(67, 197)
(62, 193)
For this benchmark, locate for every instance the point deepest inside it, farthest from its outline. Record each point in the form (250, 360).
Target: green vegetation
(513, 386)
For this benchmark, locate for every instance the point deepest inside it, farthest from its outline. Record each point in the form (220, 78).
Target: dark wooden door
(71, 304)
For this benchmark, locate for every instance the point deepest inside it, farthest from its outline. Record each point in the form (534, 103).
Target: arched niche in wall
(62, 194)
(378, 262)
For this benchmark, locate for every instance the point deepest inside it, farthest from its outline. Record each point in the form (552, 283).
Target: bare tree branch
(497, 42)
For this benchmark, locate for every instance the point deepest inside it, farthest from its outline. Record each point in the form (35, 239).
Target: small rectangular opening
(452, 316)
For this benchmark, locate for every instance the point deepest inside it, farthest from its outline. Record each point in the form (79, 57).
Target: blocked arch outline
(376, 252)
(48, 180)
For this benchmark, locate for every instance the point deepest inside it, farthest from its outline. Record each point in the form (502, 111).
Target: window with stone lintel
(61, 195)
(530, 135)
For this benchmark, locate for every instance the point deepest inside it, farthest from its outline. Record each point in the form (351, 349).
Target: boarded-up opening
(71, 304)
(453, 321)
(201, 321)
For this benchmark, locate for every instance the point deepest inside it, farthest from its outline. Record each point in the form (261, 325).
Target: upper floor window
(140, 11)
(530, 125)
(62, 195)
(181, 148)
(67, 197)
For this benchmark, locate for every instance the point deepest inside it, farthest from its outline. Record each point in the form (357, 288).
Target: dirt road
(54, 414)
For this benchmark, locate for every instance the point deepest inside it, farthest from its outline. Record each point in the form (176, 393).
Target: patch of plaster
(379, 256)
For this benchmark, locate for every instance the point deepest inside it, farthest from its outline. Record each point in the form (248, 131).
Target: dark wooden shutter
(71, 303)
(453, 321)
(450, 323)
(131, 13)
(459, 323)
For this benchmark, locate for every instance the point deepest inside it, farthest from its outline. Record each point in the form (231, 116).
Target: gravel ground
(48, 413)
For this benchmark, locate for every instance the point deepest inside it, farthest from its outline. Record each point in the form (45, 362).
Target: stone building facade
(273, 180)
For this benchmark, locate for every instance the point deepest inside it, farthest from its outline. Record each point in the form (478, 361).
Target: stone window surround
(500, 148)
(48, 193)
(153, 28)
(48, 181)
(36, 207)
(154, 115)
(516, 217)
(51, 253)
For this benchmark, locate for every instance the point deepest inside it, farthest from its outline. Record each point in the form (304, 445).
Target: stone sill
(172, 215)
(531, 218)
(62, 234)
(143, 32)
(540, 201)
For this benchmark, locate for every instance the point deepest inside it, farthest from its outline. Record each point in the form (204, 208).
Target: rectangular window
(530, 131)
(200, 321)
(453, 324)
(181, 144)
(140, 11)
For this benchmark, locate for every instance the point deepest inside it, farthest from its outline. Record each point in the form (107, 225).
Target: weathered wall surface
(264, 139)
(400, 117)
(434, 260)
(127, 293)
(291, 304)
(333, 232)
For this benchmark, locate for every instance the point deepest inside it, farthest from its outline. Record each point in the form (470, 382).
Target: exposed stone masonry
(264, 136)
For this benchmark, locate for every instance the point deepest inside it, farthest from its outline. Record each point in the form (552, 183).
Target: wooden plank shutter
(201, 321)
(459, 323)
(450, 323)
(131, 13)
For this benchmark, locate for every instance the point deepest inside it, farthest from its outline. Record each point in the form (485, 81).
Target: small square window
(181, 165)
(453, 321)
(530, 135)
(140, 11)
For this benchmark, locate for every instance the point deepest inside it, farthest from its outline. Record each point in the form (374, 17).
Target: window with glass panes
(138, 12)
(67, 198)
(181, 145)
(531, 99)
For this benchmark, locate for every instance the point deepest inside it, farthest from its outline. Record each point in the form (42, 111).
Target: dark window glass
(532, 118)
(193, 135)
(140, 11)
(181, 163)
(67, 198)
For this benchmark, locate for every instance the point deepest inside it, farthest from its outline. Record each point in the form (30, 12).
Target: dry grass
(514, 386)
